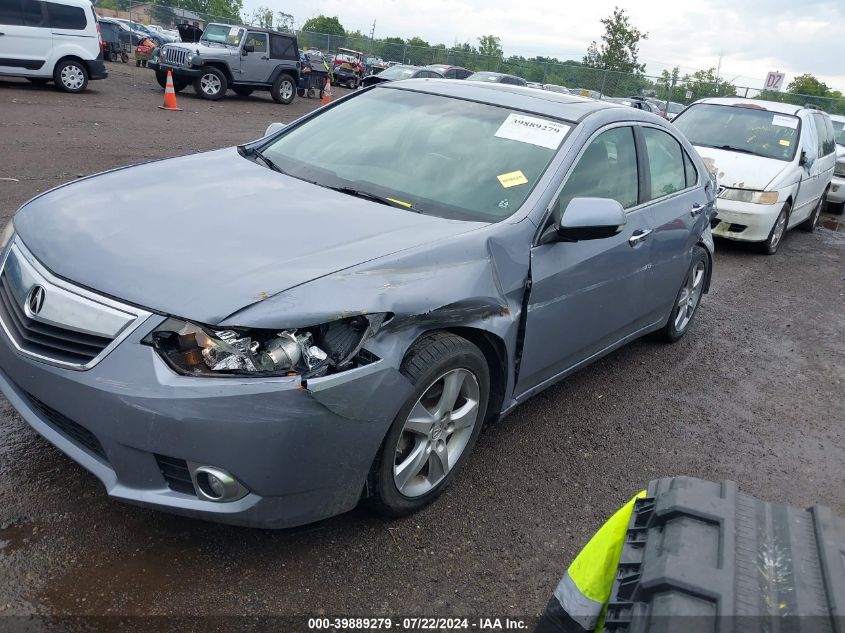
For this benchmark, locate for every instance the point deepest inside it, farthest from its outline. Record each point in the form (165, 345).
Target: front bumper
(836, 193)
(744, 221)
(304, 453)
(178, 71)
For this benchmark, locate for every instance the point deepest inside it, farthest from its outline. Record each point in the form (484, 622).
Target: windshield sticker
(784, 142)
(233, 32)
(512, 179)
(785, 121)
(529, 129)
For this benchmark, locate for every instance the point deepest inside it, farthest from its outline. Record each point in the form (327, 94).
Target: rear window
(65, 17)
(747, 130)
(282, 47)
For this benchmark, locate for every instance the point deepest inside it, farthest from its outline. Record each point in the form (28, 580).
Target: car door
(255, 64)
(809, 146)
(586, 296)
(679, 206)
(25, 37)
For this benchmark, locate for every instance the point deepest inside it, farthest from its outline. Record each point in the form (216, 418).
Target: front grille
(76, 433)
(44, 339)
(176, 474)
(175, 56)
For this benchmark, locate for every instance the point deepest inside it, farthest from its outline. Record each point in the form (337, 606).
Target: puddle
(15, 536)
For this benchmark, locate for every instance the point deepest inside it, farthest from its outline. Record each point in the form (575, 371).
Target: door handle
(696, 209)
(638, 236)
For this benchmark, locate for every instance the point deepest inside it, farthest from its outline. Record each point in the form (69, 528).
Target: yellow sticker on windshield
(407, 205)
(512, 179)
(784, 142)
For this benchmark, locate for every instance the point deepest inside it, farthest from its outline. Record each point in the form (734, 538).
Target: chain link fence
(584, 80)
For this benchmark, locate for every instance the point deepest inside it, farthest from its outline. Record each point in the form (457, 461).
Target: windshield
(743, 129)
(427, 153)
(839, 132)
(484, 77)
(223, 34)
(675, 108)
(398, 72)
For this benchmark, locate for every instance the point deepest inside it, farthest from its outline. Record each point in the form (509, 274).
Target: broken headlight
(314, 351)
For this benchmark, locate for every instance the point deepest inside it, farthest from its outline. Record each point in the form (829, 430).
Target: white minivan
(773, 161)
(56, 40)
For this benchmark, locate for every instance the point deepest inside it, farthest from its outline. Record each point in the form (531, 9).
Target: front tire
(211, 84)
(283, 90)
(70, 76)
(436, 430)
(776, 235)
(689, 297)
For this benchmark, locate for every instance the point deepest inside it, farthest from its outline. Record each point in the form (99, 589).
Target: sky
(752, 37)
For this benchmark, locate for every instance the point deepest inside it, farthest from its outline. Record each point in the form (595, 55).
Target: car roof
(838, 118)
(773, 106)
(555, 104)
(444, 66)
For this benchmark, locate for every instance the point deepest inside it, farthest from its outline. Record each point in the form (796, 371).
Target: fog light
(215, 484)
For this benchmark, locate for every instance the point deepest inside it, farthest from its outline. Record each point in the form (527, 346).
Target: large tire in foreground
(70, 75)
(437, 427)
(284, 89)
(700, 555)
(688, 298)
(211, 84)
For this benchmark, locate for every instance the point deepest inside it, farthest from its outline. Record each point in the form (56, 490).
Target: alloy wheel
(210, 84)
(690, 296)
(72, 77)
(286, 90)
(780, 229)
(436, 432)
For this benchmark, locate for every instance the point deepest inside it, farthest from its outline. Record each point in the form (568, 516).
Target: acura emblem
(35, 300)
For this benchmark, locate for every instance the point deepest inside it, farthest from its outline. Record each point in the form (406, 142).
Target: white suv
(55, 41)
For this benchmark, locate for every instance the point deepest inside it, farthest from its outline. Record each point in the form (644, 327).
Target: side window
(65, 17)
(10, 12)
(665, 162)
(690, 171)
(818, 123)
(257, 40)
(282, 47)
(831, 136)
(451, 74)
(463, 74)
(606, 169)
(33, 13)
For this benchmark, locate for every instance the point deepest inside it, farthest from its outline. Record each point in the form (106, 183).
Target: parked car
(243, 58)
(836, 195)
(557, 88)
(140, 32)
(450, 72)
(170, 35)
(774, 163)
(497, 78)
(376, 292)
(54, 41)
(401, 71)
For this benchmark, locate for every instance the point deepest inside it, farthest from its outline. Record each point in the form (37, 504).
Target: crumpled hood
(741, 171)
(206, 235)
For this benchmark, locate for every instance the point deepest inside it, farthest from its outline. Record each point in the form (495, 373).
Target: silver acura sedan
(332, 312)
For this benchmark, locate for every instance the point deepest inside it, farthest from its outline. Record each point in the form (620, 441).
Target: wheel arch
(222, 67)
(280, 70)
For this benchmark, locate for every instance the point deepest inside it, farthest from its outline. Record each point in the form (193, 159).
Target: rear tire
(211, 84)
(778, 232)
(284, 89)
(437, 427)
(689, 297)
(70, 76)
(809, 225)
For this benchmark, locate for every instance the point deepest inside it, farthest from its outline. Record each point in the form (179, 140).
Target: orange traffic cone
(327, 93)
(170, 95)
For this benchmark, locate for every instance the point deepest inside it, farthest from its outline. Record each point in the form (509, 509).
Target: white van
(773, 161)
(55, 41)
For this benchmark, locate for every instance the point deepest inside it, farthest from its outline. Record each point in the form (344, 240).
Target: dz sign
(774, 81)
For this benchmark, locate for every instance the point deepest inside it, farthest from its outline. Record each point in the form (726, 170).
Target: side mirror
(248, 48)
(588, 219)
(273, 128)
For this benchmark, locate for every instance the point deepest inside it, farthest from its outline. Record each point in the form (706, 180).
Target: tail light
(100, 37)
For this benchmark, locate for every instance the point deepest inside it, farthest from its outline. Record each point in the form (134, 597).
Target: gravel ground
(754, 393)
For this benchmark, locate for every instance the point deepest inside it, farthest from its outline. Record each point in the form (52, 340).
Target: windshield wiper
(267, 162)
(731, 148)
(358, 193)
